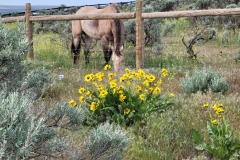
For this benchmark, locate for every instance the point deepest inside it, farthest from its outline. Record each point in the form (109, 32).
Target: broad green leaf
(197, 138)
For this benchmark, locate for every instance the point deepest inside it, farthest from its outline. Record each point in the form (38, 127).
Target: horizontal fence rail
(131, 15)
(192, 13)
(83, 17)
(13, 19)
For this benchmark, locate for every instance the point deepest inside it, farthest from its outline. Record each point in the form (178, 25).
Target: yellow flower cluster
(72, 103)
(138, 81)
(164, 72)
(218, 109)
(107, 67)
(94, 106)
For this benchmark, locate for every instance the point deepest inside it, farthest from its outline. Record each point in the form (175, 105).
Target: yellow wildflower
(72, 103)
(95, 84)
(156, 90)
(150, 89)
(142, 96)
(81, 99)
(122, 79)
(103, 93)
(100, 87)
(214, 121)
(122, 97)
(215, 107)
(111, 76)
(81, 90)
(171, 95)
(99, 76)
(139, 88)
(88, 93)
(127, 70)
(89, 77)
(151, 78)
(113, 83)
(159, 81)
(146, 83)
(219, 110)
(120, 91)
(141, 72)
(205, 105)
(107, 67)
(164, 72)
(94, 106)
(128, 82)
(127, 111)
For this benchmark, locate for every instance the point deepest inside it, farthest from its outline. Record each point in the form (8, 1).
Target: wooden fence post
(29, 30)
(139, 34)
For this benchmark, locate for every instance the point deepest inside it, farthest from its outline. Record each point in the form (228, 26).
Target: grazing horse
(109, 31)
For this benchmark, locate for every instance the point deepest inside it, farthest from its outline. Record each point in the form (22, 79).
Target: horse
(109, 31)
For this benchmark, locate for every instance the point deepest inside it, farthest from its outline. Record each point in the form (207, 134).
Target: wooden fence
(138, 15)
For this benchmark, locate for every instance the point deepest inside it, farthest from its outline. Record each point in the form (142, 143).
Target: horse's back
(87, 9)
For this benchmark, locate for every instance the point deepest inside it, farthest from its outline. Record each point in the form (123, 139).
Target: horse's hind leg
(87, 45)
(106, 50)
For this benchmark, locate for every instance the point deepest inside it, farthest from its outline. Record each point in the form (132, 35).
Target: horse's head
(118, 60)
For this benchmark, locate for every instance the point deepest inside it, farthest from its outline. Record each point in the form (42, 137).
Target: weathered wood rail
(138, 15)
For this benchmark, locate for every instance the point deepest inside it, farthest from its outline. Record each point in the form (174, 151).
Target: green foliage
(23, 135)
(131, 98)
(107, 142)
(168, 27)
(161, 5)
(204, 80)
(151, 28)
(222, 143)
(203, 4)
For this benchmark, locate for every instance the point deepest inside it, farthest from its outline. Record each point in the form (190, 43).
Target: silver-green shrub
(13, 46)
(65, 117)
(203, 80)
(14, 69)
(107, 142)
(23, 135)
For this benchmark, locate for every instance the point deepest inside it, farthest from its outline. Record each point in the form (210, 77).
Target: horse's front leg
(87, 45)
(86, 55)
(106, 50)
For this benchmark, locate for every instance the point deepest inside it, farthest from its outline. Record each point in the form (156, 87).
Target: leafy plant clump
(132, 97)
(204, 80)
(222, 142)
